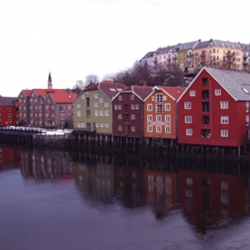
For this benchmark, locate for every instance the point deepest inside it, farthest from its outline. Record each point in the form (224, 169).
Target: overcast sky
(75, 38)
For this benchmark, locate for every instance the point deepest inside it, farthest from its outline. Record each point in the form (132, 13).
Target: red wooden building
(214, 109)
(8, 111)
(128, 111)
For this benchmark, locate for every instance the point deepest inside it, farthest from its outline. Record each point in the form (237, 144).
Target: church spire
(49, 81)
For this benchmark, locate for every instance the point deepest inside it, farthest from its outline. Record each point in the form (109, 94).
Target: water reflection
(205, 200)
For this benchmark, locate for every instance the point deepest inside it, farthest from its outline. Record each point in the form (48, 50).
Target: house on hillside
(93, 108)
(160, 119)
(58, 109)
(8, 111)
(214, 109)
(128, 111)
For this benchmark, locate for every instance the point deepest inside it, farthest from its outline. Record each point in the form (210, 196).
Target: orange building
(160, 112)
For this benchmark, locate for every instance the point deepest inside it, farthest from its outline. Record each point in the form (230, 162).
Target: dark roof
(236, 83)
(7, 101)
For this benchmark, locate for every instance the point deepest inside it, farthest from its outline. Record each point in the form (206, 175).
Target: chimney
(49, 81)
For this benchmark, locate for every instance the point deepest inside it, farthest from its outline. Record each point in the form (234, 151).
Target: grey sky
(79, 37)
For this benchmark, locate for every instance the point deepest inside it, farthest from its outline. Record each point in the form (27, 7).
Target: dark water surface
(50, 201)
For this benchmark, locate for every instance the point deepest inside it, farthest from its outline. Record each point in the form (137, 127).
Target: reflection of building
(96, 181)
(46, 165)
(161, 191)
(129, 186)
(211, 199)
(8, 158)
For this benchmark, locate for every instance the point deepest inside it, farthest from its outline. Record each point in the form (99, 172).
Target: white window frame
(187, 105)
(224, 120)
(158, 129)
(189, 132)
(192, 93)
(167, 129)
(224, 133)
(150, 128)
(168, 106)
(217, 92)
(149, 118)
(149, 107)
(167, 118)
(132, 116)
(188, 119)
(224, 105)
(158, 118)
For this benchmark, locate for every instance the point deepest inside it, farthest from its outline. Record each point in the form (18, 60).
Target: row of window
(223, 132)
(223, 119)
(223, 105)
(97, 125)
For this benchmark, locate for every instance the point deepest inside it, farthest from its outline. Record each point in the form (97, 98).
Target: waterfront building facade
(128, 111)
(160, 119)
(93, 108)
(8, 111)
(214, 109)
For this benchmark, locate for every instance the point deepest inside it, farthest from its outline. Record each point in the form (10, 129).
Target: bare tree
(91, 79)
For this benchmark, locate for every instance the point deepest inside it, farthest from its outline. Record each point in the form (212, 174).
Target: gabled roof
(235, 83)
(224, 44)
(142, 92)
(110, 88)
(174, 92)
(59, 97)
(164, 50)
(186, 46)
(7, 101)
(203, 44)
(26, 92)
(44, 92)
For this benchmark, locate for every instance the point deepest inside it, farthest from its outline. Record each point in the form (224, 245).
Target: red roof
(175, 92)
(65, 97)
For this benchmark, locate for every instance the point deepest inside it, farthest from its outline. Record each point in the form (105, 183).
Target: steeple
(49, 81)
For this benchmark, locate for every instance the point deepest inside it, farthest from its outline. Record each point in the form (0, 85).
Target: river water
(53, 200)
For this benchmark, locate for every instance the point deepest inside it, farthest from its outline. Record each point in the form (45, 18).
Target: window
(62, 108)
(188, 119)
(96, 112)
(224, 133)
(106, 112)
(189, 131)
(217, 92)
(192, 93)
(9, 109)
(205, 94)
(88, 113)
(204, 82)
(224, 120)
(119, 128)
(159, 108)
(150, 118)
(149, 107)
(106, 104)
(224, 104)
(101, 113)
(167, 106)
(106, 125)
(120, 98)
(96, 96)
(247, 120)
(132, 106)
(205, 107)
(78, 113)
(205, 119)
(115, 107)
(101, 100)
(167, 118)
(132, 116)
(189, 182)
(119, 116)
(133, 128)
(87, 102)
(137, 106)
(9, 115)
(187, 105)
(132, 97)
(96, 104)
(159, 98)
(168, 129)
(62, 116)
(158, 118)
(247, 107)
(83, 96)
(150, 128)
(158, 129)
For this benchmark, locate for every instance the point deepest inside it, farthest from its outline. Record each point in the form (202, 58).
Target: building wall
(128, 115)
(157, 127)
(210, 133)
(100, 110)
